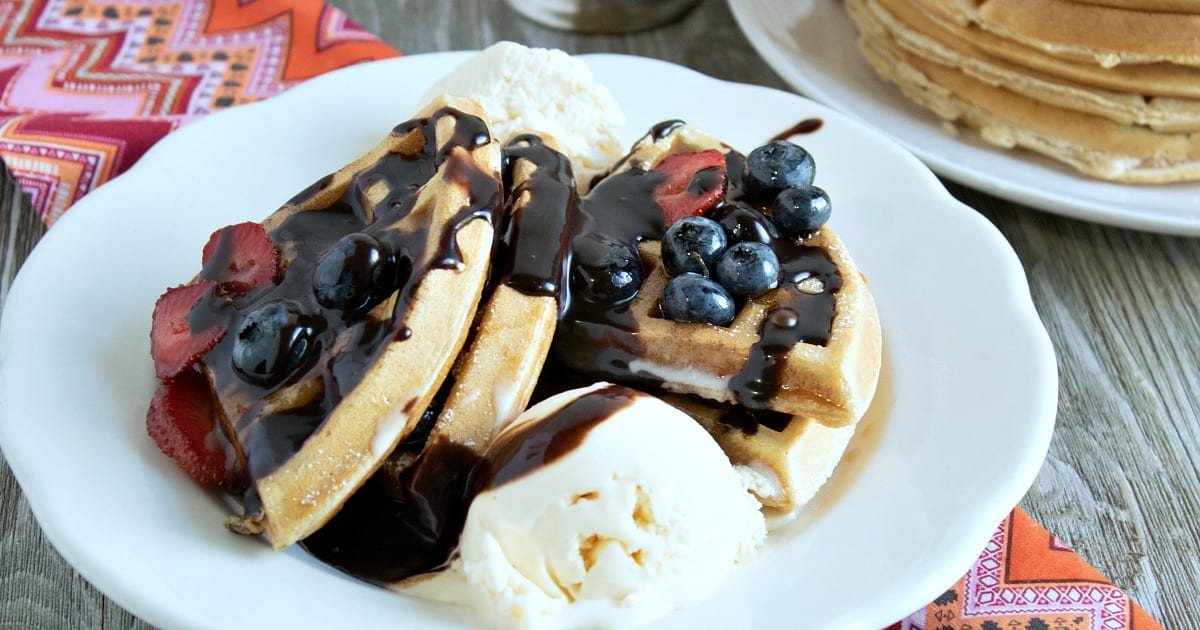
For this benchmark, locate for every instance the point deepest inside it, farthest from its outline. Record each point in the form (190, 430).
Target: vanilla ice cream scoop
(546, 92)
(603, 507)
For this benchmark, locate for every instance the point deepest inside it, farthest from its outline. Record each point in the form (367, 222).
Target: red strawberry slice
(240, 258)
(695, 182)
(181, 422)
(173, 344)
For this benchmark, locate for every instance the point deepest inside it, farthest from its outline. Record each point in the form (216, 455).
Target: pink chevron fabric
(89, 85)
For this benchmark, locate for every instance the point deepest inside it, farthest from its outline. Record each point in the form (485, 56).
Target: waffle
(951, 45)
(832, 383)
(432, 186)
(405, 521)
(784, 468)
(496, 374)
(792, 439)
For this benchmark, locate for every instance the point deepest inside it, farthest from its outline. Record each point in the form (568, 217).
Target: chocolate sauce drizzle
(661, 131)
(408, 520)
(808, 125)
(347, 345)
(529, 447)
(542, 215)
(403, 521)
(748, 420)
(604, 339)
(795, 316)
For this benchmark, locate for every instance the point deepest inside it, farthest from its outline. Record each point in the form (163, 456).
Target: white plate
(956, 436)
(812, 44)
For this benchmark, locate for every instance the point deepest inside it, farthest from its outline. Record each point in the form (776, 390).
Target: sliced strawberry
(181, 422)
(695, 182)
(240, 257)
(173, 344)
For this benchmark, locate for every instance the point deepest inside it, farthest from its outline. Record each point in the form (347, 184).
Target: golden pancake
(916, 33)
(1093, 145)
(1103, 35)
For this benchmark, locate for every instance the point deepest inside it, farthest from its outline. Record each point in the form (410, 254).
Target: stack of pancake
(1111, 87)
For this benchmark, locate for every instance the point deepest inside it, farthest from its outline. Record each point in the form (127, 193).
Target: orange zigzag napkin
(89, 86)
(1026, 579)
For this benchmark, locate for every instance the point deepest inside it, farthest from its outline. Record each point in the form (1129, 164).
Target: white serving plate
(956, 435)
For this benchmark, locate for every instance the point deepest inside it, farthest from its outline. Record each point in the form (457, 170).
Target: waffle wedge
(496, 374)
(785, 467)
(782, 387)
(426, 195)
(405, 521)
(832, 378)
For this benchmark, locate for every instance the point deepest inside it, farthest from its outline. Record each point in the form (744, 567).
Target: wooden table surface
(1121, 483)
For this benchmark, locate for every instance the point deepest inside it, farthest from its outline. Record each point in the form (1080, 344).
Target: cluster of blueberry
(717, 261)
(278, 337)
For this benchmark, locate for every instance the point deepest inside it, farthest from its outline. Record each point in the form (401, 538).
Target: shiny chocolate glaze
(808, 125)
(346, 345)
(794, 315)
(601, 337)
(408, 520)
(749, 420)
(662, 130)
(526, 448)
(542, 215)
(659, 132)
(405, 520)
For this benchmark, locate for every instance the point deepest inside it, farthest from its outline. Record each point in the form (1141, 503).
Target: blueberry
(694, 298)
(801, 211)
(692, 244)
(355, 274)
(744, 224)
(749, 269)
(775, 167)
(604, 271)
(275, 341)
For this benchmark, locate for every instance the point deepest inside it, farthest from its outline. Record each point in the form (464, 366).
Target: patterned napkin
(90, 85)
(1026, 579)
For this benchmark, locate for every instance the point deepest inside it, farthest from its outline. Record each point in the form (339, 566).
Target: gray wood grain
(1121, 483)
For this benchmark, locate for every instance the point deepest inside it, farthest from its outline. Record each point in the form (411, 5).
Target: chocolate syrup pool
(405, 523)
